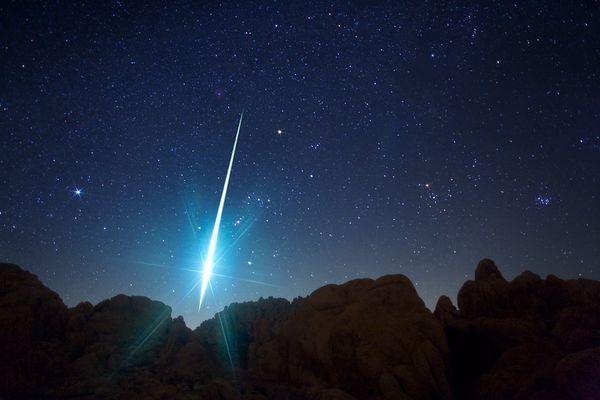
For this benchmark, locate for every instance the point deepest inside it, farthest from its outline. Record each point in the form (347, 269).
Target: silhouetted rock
(445, 310)
(578, 374)
(32, 329)
(523, 339)
(369, 338)
(111, 337)
(529, 338)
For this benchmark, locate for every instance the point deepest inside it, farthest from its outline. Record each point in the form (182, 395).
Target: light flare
(209, 261)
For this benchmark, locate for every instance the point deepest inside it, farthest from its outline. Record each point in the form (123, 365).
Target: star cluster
(378, 137)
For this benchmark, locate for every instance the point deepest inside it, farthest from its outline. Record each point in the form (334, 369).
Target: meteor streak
(209, 262)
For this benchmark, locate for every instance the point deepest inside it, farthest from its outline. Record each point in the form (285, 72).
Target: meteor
(209, 262)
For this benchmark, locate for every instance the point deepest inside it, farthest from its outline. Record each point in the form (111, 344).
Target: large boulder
(33, 320)
(112, 338)
(366, 338)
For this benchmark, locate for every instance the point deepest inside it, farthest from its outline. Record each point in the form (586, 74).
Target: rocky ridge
(529, 338)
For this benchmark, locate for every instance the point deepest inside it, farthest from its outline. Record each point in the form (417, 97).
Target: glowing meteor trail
(209, 262)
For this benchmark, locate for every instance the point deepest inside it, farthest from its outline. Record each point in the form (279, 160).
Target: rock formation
(529, 338)
(366, 339)
(33, 321)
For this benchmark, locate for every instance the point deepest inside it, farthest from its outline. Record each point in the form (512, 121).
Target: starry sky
(378, 137)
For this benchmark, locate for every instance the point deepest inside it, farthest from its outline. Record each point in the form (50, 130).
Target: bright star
(78, 192)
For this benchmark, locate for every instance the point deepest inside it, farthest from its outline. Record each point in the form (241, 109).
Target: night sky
(378, 138)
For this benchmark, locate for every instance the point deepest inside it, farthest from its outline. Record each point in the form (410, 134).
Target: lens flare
(212, 246)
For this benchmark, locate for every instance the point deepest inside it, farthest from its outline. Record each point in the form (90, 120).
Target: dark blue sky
(402, 137)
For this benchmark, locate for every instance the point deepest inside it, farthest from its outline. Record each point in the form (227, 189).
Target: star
(390, 147)
(543, 201)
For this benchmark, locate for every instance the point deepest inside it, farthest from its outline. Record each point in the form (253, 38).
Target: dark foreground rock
(366, 339)
(33, 322)
(529, 338)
